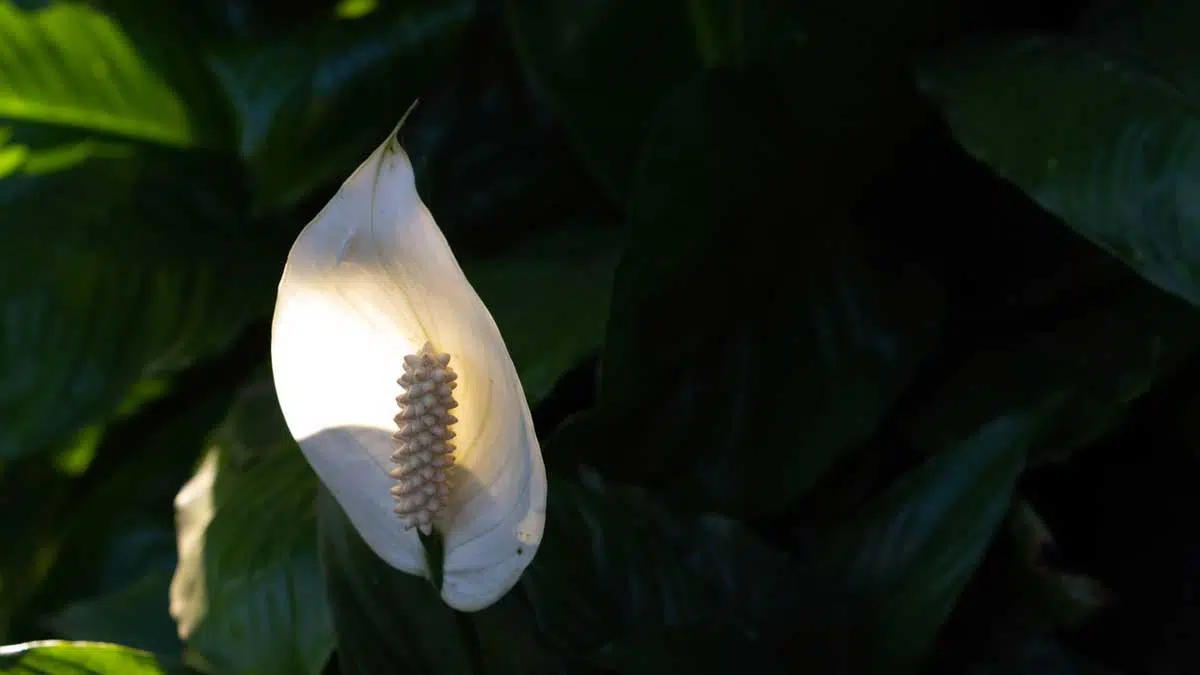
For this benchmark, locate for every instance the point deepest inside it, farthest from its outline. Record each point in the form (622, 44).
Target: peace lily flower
(395, 381)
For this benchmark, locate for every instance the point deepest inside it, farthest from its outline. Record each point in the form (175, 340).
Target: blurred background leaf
(68, 65)
(147, 269)
(247, 593)
(1100, 140)
(66, 658)
(312, 104)
(881, 584)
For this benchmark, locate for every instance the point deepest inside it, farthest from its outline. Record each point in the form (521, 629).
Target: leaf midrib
(23, 109)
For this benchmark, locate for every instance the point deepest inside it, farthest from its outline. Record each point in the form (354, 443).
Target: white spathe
(368, 281)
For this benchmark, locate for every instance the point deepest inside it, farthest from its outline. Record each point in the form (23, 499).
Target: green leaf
(697, 650)
(75, 658)
(1153, 33)
(588, 55)
(490, 161)
(615, 561)
(1039, 657)
(135, 616)
(70, 66)
(549, 295)
(791, 350)
(247, 593)
(385, 620)
(881, 585)
(1077, 374)
(109, 520)
(1091, 136)
(611, 563)
(148, 268)
(312, 104)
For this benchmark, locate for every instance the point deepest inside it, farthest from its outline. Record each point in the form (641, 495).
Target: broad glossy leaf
(587, 55)
(491, 161)
(699, 650)
(148, 268)
(385, 620)
(71, 66)
(613, 562)
(549, 294)
(112, 527)
(312, 103)
(135, 616)
(247, 593)
(606, 65)
(790, 346)
(882, 584)
(75, 658)
(1153, 33)
(1094, 137)
(1078, 373)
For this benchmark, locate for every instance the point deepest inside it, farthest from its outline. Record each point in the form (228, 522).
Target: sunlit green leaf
(71, 66)
(75, 658)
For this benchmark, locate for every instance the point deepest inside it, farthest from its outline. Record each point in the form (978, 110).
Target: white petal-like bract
(370, 280)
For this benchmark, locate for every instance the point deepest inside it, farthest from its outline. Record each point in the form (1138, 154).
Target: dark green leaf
(749, 302)
(1155, 34)
(135, 616)
(1078, 374)
(588, 55)
(611, 563)
(1039, 657)
(386, 621)
(148, 267)
(694, 650)
(313, 104)
(247, 593)
(70, 66)
(614, 562)
(882, 584)
(490, 161)
(75, 658)
(549, 295)
(1106, 145)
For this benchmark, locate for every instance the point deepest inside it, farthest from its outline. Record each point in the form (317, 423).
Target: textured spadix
(370, 280)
